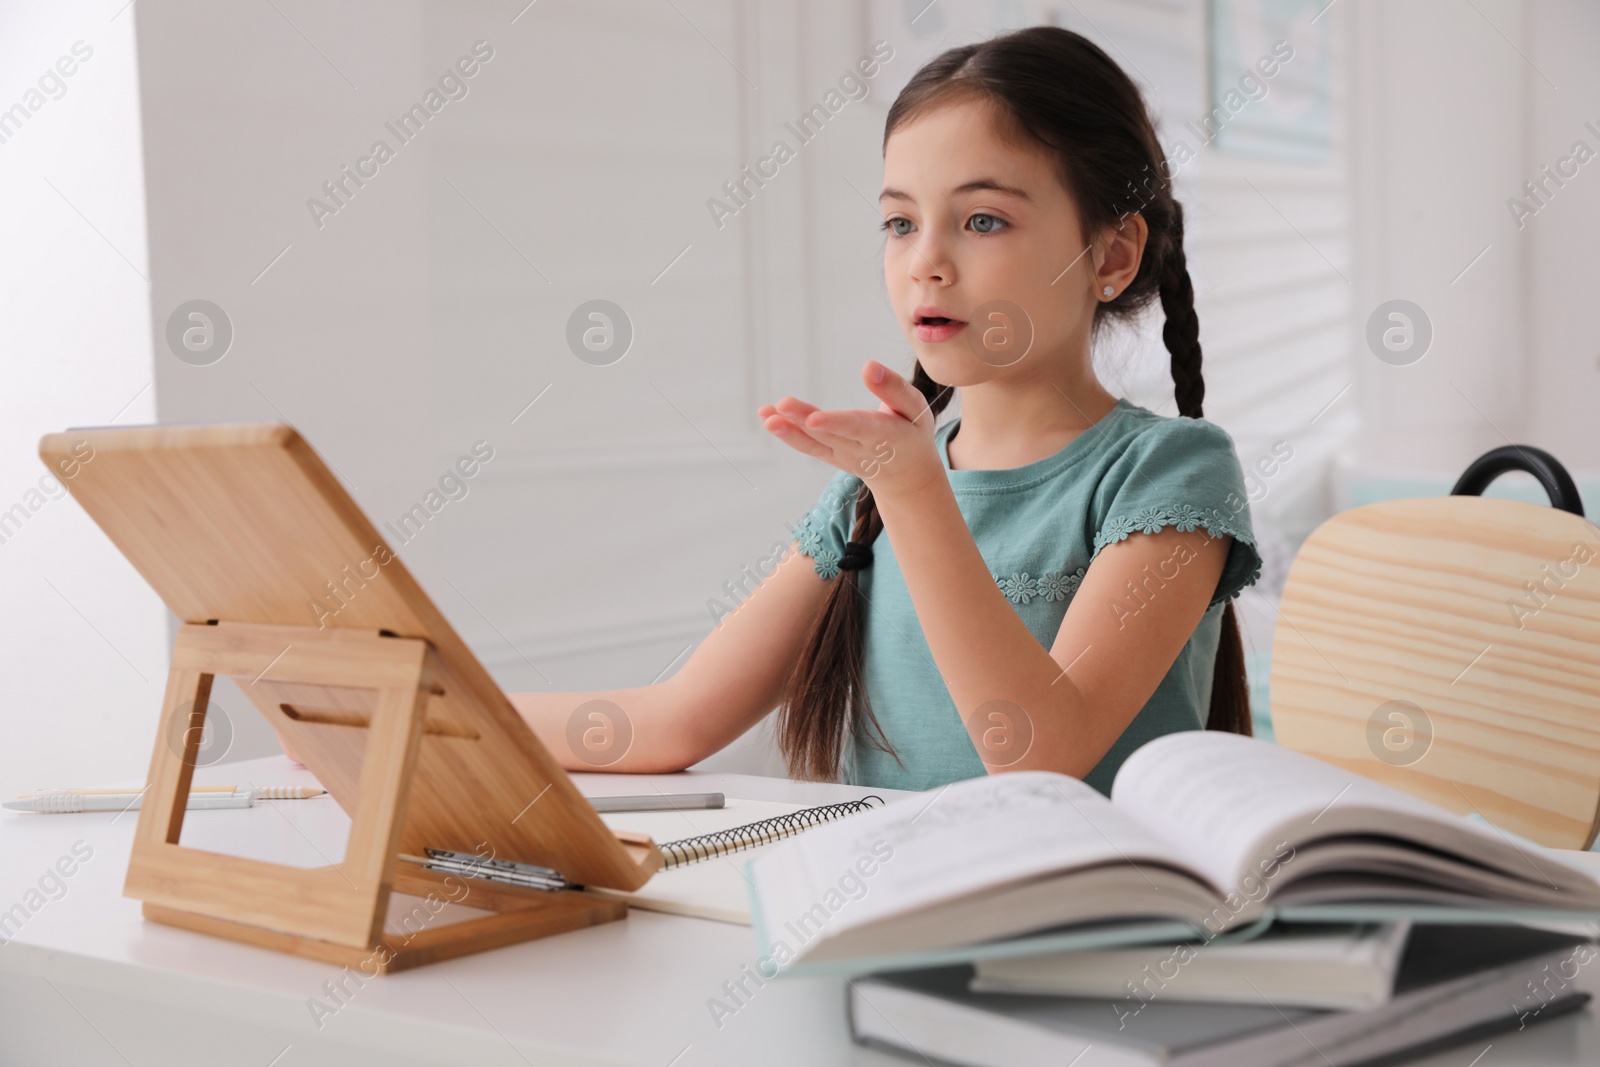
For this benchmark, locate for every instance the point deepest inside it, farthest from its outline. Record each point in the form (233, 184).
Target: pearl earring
(1108, 290)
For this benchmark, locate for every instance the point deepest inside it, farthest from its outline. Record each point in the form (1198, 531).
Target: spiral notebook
(702, 877)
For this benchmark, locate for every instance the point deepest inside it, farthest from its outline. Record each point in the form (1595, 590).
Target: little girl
(1041, 583)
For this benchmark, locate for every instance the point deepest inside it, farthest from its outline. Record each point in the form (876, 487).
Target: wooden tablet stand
(238, 528)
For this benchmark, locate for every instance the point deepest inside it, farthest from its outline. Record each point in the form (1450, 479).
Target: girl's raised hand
(890, 449)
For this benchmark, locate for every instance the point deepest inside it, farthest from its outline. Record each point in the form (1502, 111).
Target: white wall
(1456, 110)
(84, 660)
(1563, 356)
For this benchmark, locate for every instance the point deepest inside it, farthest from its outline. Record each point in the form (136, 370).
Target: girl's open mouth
(938, 328)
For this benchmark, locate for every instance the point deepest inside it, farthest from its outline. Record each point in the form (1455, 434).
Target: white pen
(262, 792)
(60, 802)
(657, 802)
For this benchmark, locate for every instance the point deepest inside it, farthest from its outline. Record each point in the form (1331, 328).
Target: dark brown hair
(1056, 89)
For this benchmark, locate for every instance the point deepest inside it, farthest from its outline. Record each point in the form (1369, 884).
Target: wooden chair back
(1450, 647)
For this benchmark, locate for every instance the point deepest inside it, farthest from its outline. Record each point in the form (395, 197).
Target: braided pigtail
(1230, 686)
(1181, 332)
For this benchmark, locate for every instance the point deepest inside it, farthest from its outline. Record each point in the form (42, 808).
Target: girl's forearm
(622, 730)
(984, 651)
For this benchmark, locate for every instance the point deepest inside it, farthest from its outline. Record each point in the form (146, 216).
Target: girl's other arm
(734, 678)
(1069, 704)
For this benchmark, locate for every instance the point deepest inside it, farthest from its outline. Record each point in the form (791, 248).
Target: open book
(1204, 832)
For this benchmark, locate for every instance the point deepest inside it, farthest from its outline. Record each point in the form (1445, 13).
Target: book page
(962, 839)
(1235, 806)
(1218, 802)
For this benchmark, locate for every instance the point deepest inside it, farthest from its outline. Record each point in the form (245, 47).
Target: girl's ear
(1117, 253)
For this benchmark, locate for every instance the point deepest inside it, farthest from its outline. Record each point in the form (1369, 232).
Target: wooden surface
(1410, 649)
(244, 523)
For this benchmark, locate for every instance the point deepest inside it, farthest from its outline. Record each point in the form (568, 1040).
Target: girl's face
(981, 230)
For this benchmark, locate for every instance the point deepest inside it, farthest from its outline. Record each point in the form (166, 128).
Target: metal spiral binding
(705, 846)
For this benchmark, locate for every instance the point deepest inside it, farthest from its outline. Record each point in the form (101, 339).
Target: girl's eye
(981, 223)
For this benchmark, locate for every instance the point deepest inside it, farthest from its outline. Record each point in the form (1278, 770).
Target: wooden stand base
(515, 921)
(334, 913)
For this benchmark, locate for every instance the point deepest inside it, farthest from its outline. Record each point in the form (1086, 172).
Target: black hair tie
(856, 556)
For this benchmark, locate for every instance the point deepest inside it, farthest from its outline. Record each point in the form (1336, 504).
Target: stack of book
(1233, 902)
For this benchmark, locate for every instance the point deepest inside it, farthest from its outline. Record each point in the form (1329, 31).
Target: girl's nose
(930, 263)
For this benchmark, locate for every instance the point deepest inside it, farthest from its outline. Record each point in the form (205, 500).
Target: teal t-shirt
(1038, 527)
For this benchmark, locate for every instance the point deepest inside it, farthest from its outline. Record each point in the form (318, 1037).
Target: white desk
(86, 981)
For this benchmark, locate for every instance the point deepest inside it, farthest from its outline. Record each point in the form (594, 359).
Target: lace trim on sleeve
(809, 539)
(1185, 518)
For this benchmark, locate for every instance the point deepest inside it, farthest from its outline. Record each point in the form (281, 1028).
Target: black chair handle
(1558, 484)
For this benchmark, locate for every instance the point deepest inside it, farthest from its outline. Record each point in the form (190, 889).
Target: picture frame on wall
(1271, 74)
